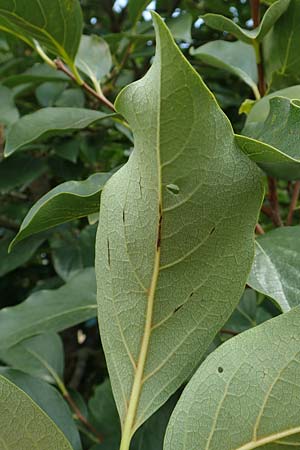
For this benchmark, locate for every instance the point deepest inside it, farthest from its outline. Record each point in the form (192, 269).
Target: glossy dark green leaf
(51, 310)
(48, 122)
(135, 9)
(276, 267)
(17, 413)
(57, 25)
(275, 143)
(245, 395)
(270, 17)
(237, 58)
(41, 356)
(176, 202)
(51, 403)
(67, 201)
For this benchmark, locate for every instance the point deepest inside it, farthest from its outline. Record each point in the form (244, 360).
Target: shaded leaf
(67, 201)
(8, 110)
(48, 122)
(276, 268)
(19, 171)
(237, 58)
(36, 73)
(51, 402)
(72, 252)
(281, 49)
(57, 25)
(41, 356)
(93, 57)
(222, 23)
(180, 27)
(192, 271)
(135, 9)
(11, 261)
(275, 143)
(51, 310)
(18, 412)
(245, 395)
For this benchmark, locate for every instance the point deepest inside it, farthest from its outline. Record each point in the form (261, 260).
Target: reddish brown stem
(273, 199)
(293, 203)
(259, 229)
(267, 211)
(81, 418)
(231, 332)
(60, 66)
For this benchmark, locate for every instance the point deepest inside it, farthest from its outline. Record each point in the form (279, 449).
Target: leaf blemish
(177, 309)
(108, 252)
(159, 228)
(220, 369)
(212, 230)
(123, 216)
(173, 189)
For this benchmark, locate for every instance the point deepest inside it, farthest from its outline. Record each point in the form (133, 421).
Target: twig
(231, 332)
(273, 199)
(61, 66)
(255, 14)
(259, 229)
(293, 203)
(80, 417)
(267, 211)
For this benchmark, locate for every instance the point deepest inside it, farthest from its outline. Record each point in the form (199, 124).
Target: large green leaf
(276, 268)
(245, 395)
(281, 49)
(49, 400)
(175, 240)
(275, 143)
(223, 23)
(19, 412)
(51, 310)
(237, 58)
(41, 356)
(67, 201)
(57, 25)
(48, 122)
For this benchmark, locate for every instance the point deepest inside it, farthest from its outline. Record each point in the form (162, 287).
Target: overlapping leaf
(51, 310)
(48, 122)
(270, 17)
(94, 57)
(237, 58)
(175, 240)
(67, 201)
(57, 25)
(245, 395)
(276, 267)
(19, 412)
(275, 143)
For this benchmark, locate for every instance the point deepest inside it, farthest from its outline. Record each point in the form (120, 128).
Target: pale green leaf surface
(180, 27)
(237, 58)
(8, 110)
(41, 356)
(23, 425)
(48, 122)
(275, 143)
(170, 269)
(51, 310)
(223, 23)
(94, 57)
(49, 400)
(67, 201)
(56, 24)
(276, 268)
(245, 395)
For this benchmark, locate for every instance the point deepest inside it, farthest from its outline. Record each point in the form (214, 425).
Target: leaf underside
(175, 236)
